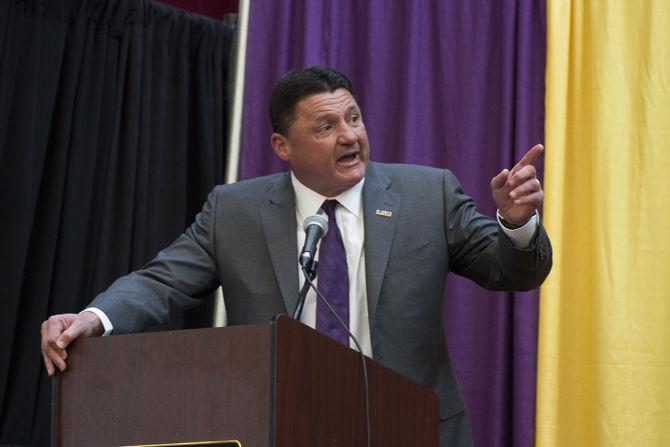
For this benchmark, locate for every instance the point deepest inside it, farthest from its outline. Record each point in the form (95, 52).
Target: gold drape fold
(604, 348)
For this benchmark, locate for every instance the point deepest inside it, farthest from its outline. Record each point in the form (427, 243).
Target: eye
(325, 127)
(354, 118)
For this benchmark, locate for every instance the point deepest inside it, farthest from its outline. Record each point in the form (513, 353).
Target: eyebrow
(325, 115)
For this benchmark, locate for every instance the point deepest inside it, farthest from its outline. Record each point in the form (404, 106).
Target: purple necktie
(333, 279)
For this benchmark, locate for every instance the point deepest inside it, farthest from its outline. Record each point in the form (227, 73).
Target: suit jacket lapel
(381, 216)
(278, 220)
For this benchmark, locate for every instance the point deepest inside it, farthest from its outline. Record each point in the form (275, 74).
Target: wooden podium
(279, 385)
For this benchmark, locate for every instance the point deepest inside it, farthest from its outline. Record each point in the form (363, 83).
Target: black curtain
(113, 118)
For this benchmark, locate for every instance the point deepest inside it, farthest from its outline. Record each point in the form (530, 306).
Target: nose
(347, 135)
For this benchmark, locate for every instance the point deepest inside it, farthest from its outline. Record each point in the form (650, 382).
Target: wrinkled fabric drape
(604, 364)
(112, 132)
(457, 84)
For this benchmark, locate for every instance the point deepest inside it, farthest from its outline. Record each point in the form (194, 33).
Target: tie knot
(329, 207)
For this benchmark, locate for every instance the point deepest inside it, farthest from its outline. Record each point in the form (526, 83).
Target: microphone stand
(309, 283)
(310, 273)
(309, 267)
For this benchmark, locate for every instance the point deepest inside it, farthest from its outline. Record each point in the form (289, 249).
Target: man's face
(327, 146)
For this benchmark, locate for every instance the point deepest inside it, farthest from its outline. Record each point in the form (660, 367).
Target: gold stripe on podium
(193, 444)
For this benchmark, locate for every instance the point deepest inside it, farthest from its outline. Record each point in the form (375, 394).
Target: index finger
(530, 156)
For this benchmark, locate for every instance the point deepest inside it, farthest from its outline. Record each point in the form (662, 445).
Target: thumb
(499, 180)
(70, 334)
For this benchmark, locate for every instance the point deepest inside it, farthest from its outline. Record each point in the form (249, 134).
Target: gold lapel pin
(384, 213)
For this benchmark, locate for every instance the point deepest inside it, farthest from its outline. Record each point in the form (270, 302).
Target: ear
(280, 146)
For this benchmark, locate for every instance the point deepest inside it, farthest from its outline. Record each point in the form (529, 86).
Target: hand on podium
(61, 330)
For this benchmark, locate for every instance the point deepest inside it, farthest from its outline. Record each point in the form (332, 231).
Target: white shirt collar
(308, 202)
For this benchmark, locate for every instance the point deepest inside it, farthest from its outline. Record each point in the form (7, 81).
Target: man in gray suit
(403, 228)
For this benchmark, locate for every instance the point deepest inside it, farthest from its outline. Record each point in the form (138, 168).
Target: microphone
(315, 226)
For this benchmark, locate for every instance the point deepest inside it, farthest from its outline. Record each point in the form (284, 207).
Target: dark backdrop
(112, 131)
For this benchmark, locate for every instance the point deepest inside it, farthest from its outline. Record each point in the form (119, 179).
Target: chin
(355, 179)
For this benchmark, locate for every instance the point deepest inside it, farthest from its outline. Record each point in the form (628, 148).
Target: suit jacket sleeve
(481, 251)
(168, 283)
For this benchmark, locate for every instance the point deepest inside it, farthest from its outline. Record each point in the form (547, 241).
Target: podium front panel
(169, 387)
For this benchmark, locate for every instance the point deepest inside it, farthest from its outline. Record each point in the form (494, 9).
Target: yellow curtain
(604, 349)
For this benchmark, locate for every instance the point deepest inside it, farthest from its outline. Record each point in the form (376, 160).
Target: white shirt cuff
(105, 321)
(521, 237)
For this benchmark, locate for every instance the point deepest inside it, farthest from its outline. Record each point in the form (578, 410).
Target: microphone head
(316, 219)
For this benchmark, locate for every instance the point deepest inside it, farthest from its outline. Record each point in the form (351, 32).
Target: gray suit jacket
(245, 240)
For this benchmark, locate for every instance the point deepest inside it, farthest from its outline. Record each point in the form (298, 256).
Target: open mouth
(349, 158)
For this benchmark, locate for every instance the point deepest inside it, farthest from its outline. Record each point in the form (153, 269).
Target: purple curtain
(457, 84)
